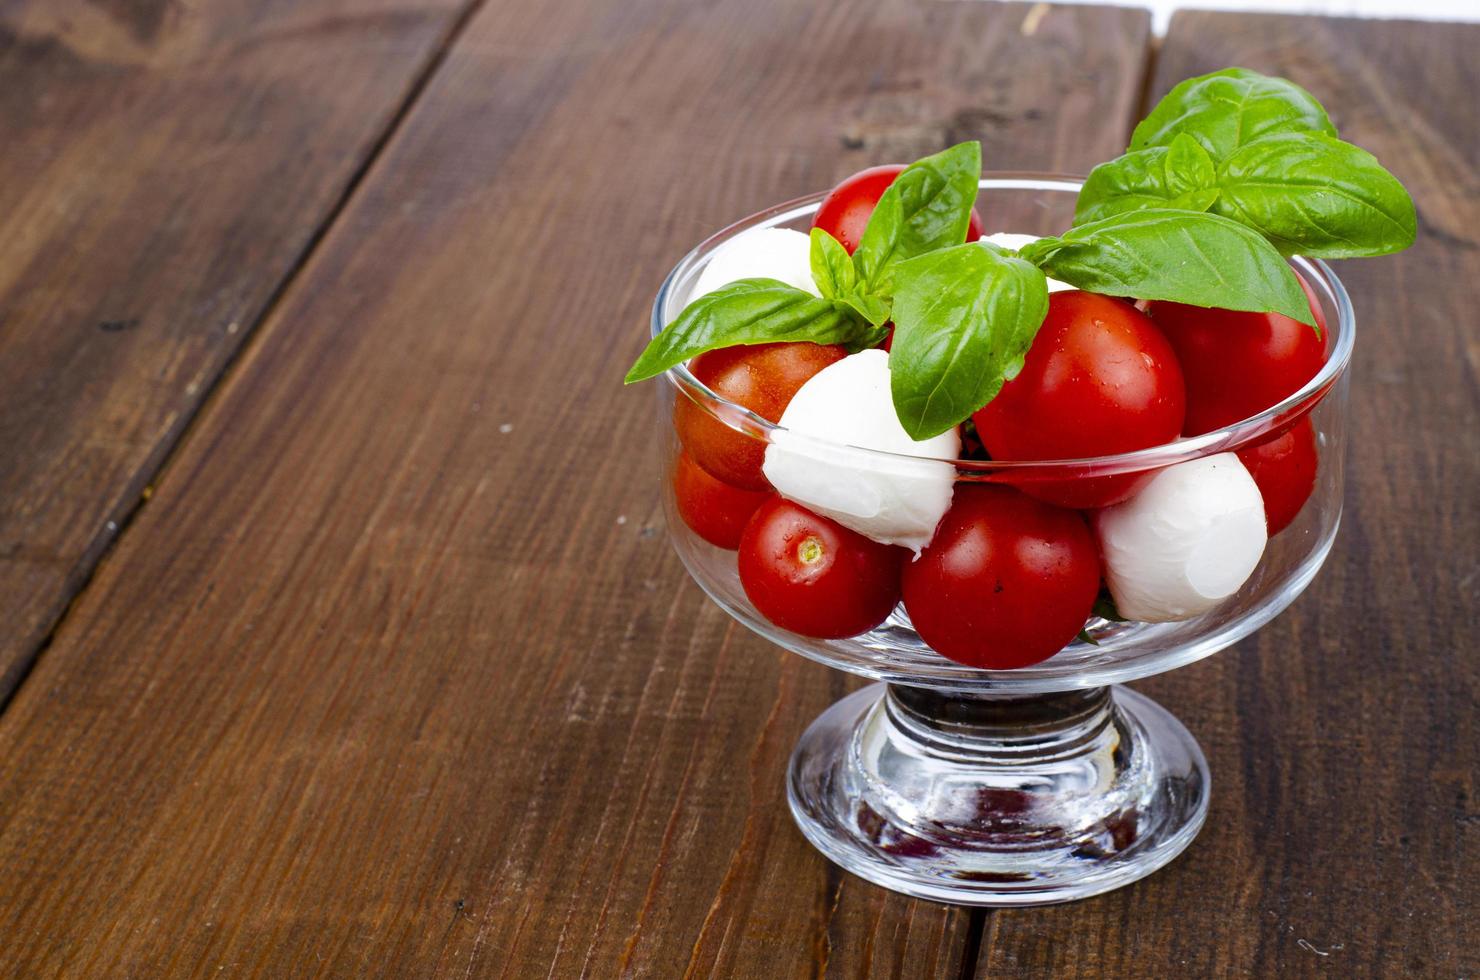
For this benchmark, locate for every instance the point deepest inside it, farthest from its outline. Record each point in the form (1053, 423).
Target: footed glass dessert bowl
(1049, 782)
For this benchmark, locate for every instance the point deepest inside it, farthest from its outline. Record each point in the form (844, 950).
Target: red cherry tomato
(845, 211)
(715, 511)
(1099, 379)
(813, 576)
(1239, 364)
(1285, 470)
(762, 378)
(1006, 582)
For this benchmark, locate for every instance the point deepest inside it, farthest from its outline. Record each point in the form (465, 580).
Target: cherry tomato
(1099, 379)
(715, 511)
(845, 211)
(1285, 470)
(811, 575)
(762, 378)
(1239, 364)
(1006, 582)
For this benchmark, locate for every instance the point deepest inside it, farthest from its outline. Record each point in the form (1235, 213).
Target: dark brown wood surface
(395, 674)
(1343, 737)
(163, 165)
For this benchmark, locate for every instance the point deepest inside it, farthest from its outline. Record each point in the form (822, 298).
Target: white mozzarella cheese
(893, 500)
(1186, 542)
(761, 253)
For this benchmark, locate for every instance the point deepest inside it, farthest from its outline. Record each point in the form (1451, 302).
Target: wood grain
(163, 167)
(1343, 737)
(395, 674)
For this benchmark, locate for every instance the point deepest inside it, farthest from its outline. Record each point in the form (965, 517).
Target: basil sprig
(1229, 174)
(1260, 151)
(927, 207)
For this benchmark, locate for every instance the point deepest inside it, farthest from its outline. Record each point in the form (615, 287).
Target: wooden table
(342, 638)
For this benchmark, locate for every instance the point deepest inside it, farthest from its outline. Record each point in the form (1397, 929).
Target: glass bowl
(1045, 783)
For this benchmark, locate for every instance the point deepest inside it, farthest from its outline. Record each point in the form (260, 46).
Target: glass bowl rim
(1229, 437)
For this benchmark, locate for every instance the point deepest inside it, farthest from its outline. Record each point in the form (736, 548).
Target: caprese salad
(1167, 310)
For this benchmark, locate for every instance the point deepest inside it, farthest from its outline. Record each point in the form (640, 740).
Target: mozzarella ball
(760, 253)
(891, 500)
(1007, 239)
(1186, 542)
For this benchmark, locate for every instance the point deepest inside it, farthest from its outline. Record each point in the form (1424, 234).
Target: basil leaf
(1199, 200)
(1104, 607)
(936, 194)
(928, 206)
(832, 266)
(1181, 177)
(878, 250)
(964, 318)
(1229, 108)
(871, 308)
(1188, 166)
(1314, 195)
(1129, 183)
(1157, 253)
(749, 311)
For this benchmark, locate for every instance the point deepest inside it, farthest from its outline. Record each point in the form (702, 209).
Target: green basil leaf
(964, 318)
(872, 308)
(1188, 166)
(1148, 179)
(1104, 607)
(1229, 108)
(1314, 195)
(1128, 183)
(832, 266)
(936, 194)
(748, 311)
(927, 207)
(1198, 200)
(1182, 256)
(879, 248)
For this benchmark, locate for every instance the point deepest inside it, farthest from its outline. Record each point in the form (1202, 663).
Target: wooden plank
(396, 673)
(1343, 737)
(162, 170)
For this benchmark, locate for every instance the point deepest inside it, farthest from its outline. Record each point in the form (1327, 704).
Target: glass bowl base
(998, 801)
